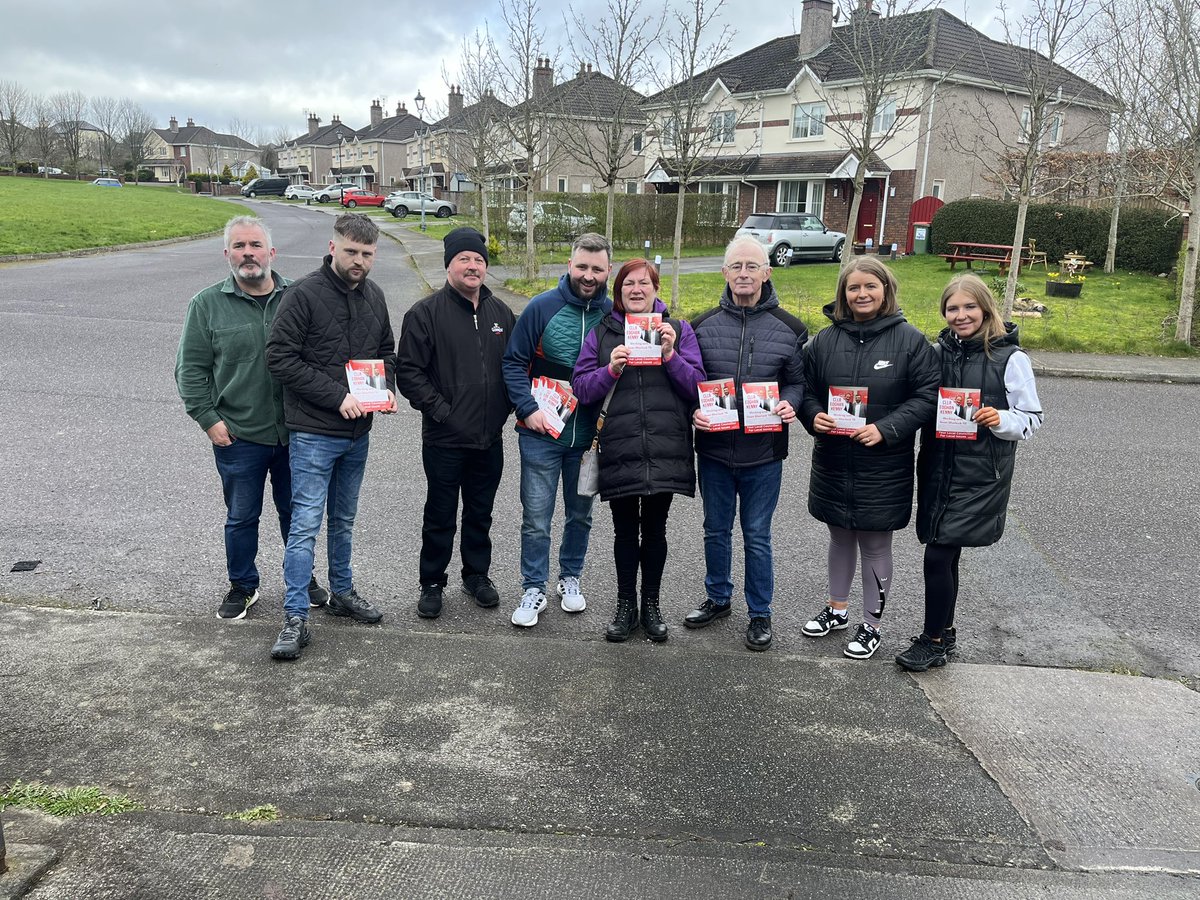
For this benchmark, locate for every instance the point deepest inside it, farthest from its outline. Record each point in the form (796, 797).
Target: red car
(353, 197)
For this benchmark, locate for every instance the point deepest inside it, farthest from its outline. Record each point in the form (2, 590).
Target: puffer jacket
(751, 343)
(321, 325)
(963, 486)
(852, 486)
(646, 441)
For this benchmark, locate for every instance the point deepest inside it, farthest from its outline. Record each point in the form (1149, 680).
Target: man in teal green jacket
(221, 373)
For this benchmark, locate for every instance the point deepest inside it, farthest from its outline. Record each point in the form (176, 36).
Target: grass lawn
(1120, 313)
(38, 216)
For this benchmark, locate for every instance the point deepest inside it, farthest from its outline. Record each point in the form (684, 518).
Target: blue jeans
(244, 467)
(543, 463)
(325, 470)
(755, 490)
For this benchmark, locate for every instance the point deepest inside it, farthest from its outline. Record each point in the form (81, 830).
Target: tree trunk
(531, 263)
(608, 215)
(1187, 297)
(483, 212)
(852, 220)
(1110, 253)
(677, 248)
(1014, 270)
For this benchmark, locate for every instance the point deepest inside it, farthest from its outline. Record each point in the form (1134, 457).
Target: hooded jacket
(751, 343)
(546, 341)
(646, 440)
(321, 325)
(963, 486)
(852, 486)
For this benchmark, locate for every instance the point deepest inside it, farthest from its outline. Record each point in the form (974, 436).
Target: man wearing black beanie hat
(448, 368)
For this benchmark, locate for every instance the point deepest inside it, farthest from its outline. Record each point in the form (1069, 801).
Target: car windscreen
(759, 222)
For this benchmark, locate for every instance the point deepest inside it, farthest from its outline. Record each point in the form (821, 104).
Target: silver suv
(788, 236)
(401, 203)
(328, 192)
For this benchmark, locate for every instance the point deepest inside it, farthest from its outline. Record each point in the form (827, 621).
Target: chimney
(456, 100)
(582, 70)
(589, 68)
(816, 27)
(400, 109)
(313, 123)
(174, 126)
(190, 123)
(376, 113)
(543, 77)
(866, 8)
(337, 120)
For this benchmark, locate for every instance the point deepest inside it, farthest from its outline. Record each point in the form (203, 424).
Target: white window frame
(722, 127)
(939, 188)
(808, 121)
(669, 133)
(631, 187)
(885, 116)
(562, 184)
(637, 143)
(812, 202)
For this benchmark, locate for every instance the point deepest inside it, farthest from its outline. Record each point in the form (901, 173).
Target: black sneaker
(430, 604)
(237, 603)
(949, 641)
(705, 614)
(923, 654)
(292, 639)
(758, 633)
(317, 595)
(826, 621)
(354, 606)
(865, 643)
(480, 589)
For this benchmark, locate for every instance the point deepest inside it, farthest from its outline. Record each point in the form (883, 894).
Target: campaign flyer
(718, 401)
(848, 407)
(368, 384)
(956, 407)
(643, 340)
(759, 399)
(555, 400)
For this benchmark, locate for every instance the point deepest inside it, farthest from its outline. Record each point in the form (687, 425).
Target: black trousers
(649, 516)
(449, 472)
(941, 587)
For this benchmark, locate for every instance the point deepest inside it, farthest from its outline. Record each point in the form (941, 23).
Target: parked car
(352, 197)
(299, 192)
(107, 182)
(552, 219)
(265, 187)
(788, 236)
(42, 170)
(328, 192)
(401, 203)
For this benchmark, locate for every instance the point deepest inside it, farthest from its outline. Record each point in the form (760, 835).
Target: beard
(251, 272)
(350, 276)
(581, 291)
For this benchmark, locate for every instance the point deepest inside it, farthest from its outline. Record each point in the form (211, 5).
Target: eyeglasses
(748, 268)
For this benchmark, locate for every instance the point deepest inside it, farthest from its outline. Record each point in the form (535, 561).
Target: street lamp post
(420, 104)
(340, 138)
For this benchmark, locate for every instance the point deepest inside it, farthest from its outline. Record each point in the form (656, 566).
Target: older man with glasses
(746, 338)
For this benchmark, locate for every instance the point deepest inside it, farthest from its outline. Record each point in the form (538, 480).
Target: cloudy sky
(270, 61)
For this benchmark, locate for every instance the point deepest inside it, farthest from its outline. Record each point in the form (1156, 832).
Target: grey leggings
(876, 547)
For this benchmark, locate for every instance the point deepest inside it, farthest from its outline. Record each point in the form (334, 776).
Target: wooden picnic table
(970, 251)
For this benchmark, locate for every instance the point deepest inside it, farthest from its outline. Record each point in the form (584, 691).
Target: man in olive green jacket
(221, 372)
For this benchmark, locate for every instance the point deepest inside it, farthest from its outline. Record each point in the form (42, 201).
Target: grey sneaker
(532, 603)
(317, 595)
(292, 639)
(354, 606)
(569, 595)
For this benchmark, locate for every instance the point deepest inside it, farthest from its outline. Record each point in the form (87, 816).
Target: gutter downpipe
(887, 182)
(928, 138)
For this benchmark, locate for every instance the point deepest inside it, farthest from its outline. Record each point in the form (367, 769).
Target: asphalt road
(113, 488)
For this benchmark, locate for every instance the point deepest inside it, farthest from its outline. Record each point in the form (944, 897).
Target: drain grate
(26, 565)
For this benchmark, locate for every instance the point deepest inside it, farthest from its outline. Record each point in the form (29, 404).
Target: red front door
(868, 213)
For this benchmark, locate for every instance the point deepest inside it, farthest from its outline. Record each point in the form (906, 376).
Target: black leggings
(941, 587)
(650, 513)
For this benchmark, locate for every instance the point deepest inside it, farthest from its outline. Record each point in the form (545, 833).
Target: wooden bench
(969, 252)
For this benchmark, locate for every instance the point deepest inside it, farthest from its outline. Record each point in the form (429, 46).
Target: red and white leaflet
(848, 407)
(368, 383)
(759, 399)
(718, 401)
(643, 340)
(555, 400)
(955, 409)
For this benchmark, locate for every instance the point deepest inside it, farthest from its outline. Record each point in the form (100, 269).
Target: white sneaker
(532, 603)
(568, 592)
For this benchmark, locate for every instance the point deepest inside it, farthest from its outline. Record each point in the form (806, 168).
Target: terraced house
(174, 151)
(777, 120)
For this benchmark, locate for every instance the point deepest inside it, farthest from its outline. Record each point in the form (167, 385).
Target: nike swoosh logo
(883, 364)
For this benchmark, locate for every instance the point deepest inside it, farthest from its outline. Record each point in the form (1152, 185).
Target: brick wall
(895, 230)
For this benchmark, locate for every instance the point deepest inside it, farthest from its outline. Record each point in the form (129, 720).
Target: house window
(631, 187)
(939, 189)
(885, 117)
(585, 188)
(720, 127)
(802, 197)
(1054, 130)
(1051, 127)
(637, 143)
(669, 131)
(716, 187)
(562, 185)
(808, 120)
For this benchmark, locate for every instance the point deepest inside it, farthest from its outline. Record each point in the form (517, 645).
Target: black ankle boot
(652, 622)
(624, 622)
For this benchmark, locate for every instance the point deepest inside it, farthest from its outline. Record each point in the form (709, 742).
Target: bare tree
(14, 109)
(43, 135)
(69, 108)
(622, 43)
(1173, 122)
(689, 136)
(137, 133)
(474, 135)
(525, 77)
(106, 115)
(1011, 125)
(891, 77)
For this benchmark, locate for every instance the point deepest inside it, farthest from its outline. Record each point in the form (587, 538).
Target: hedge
(1147, 239)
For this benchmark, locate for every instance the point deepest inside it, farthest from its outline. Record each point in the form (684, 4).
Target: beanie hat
(462, 239)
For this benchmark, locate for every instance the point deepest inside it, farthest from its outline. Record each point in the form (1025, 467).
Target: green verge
(1125, 313)
(73, 801)
(42, 216)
